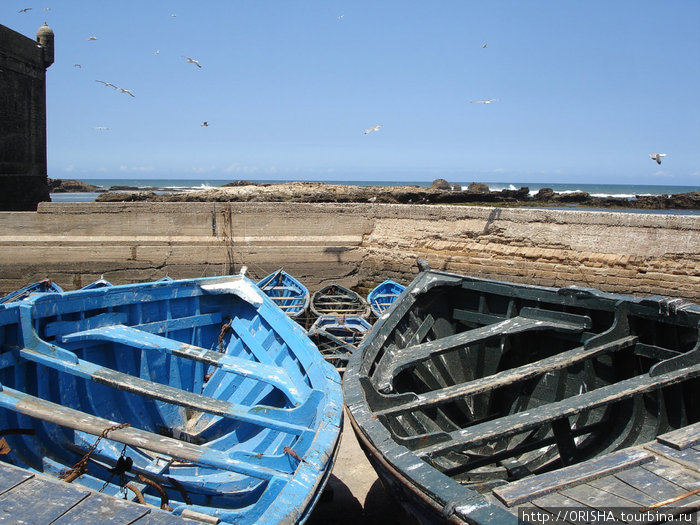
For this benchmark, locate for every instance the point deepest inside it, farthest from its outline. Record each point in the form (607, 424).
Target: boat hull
(203, 387)
(287, 293)
(469, 391)
(335, 299)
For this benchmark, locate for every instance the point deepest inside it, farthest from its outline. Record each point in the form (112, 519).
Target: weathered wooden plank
(506, 377)
(181, 323)
(11, 476)
(593, 497)
(682, 438)
(612, 485)
(66, 327)
(267, 372)
(656, 486)
(286, 420)
(67, 417)
(674, 472)
(562, 507)
(157, 517)
(689, 458)
(529, 319)
(39, 500)
(532, 487)
(523, 421)
(99, 509)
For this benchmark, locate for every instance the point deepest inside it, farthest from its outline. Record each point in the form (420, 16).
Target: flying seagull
(487, 101)
(192, 61)
(101, 128)
(92, 38)
(484, 46)
(122, 90)
(107, 84)
(657, 157)
(78, 66)
(25, 10)
(341, 17)
(375, 128)
(205, 124)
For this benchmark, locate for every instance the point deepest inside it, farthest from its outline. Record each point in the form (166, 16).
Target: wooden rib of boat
(383, 296)
(199, 394)
(337, 337)
(287, 292)
(334, 299)
(475, 399)
(43, 286)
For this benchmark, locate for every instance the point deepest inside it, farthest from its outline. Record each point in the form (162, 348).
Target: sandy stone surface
(354, 494)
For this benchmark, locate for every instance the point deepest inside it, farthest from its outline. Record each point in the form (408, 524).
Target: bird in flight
(78, 66)
(341, 17)
(25, 10)
(487, 101)
(657, 157)
(205, 124)
(375, 128)
(101, 128)
(192, 61)
(122, 90)
(92, 38)
(107, 84)
(484, 46)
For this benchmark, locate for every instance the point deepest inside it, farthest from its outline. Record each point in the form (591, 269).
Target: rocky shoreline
(441, 192)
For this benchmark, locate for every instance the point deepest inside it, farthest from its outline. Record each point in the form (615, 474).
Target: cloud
(69, 168)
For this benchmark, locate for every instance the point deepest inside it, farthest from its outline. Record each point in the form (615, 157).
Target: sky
(584, 91)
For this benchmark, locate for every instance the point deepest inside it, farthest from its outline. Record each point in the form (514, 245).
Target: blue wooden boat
(43, 286)
(287, 293)
(486, 402)
(383, 296)
(198, 395)
(99, 283)
(335, 299)
(337, 337)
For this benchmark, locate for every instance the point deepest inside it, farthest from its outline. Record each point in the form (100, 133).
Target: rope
(224, 328)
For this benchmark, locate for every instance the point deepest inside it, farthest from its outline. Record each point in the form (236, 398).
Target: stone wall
(23, 173)
(358, 245)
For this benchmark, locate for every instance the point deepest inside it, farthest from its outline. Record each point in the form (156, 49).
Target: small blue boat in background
(287, 293)
(99, 283)
(43, 286)
(199, 395)
(383, 296)
(338, 336)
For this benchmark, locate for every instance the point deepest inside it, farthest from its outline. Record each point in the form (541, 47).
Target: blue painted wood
(53, 499)
(103, 510)
(43, 286)
(11, 476)
(287, 292)
(220, 390)
(383, 296)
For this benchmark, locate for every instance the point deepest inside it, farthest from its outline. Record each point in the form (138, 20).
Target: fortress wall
(355, 244)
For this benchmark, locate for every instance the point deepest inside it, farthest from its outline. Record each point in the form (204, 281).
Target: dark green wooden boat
(476, 400)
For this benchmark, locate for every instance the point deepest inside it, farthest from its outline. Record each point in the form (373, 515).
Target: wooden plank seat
(138, 338)
(429, 444)
(35, 407)
(294, 420)
(529, 319)
(506, 377)
(526, 489)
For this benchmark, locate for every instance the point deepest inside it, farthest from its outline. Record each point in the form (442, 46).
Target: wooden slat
(98, 509)
(38, 500)
(34, 407)
(532, 418)
(267, 372)
(654, 485)
(532, 487)
(506, 377)
(529, 319)
(66, 327)
(12, 476)
(285, 420)
(682, 438)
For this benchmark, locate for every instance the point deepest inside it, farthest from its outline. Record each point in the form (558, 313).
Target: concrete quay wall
(357, 245)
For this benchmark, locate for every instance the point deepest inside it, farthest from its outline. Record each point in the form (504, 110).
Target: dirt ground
(354, 494)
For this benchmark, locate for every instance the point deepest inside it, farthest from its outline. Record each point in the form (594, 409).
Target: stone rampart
(356, 245)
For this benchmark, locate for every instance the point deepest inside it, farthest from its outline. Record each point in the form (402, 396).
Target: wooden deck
(659, 477)
(26, 497)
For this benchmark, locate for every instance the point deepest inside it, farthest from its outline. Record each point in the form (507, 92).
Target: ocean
(623, 191)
